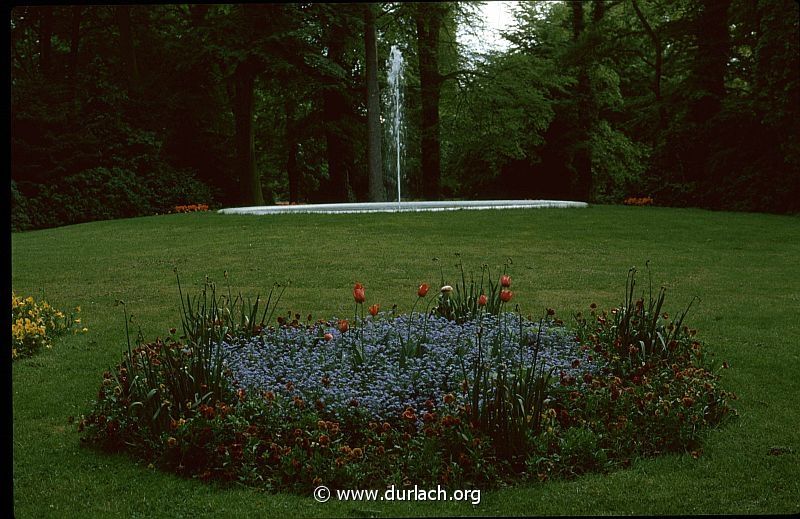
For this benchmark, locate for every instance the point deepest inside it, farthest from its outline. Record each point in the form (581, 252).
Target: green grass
(744, 267)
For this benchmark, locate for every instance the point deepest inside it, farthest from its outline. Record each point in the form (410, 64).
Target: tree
(658, 62)
(377, 192)
(429, 19)
(127, 46)
(45, 39)
(243, 104)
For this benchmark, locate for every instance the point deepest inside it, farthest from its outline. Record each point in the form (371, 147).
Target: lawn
(743, 267)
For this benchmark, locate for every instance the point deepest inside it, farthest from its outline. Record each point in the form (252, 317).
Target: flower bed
(34, 325)
(462, 393)
(300, 361)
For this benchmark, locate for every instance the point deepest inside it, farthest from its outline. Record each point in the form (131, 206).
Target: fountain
(394, 103)
(394, 112)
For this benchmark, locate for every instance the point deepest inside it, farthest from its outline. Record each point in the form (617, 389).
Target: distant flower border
(641, 201)
(192, 208)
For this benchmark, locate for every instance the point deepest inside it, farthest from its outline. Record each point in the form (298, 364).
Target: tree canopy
(132, 109)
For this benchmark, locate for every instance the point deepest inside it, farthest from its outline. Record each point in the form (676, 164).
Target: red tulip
(328, 336)
(344, 325)
(505, 281)
(506, 295)
(482, 300)
(423, 290)
(358, 293)
(373, 310)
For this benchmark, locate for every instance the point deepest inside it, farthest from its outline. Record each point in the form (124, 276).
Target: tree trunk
(657, 73)
(46, 40)
(334, 111)
(75, 40)
(582, 155)
(429, 21)
(377, 191)
(243, 104)
(577, 20)
(707, 84)
(127, 48)
(711, 59)
(292, 171)
(598, 10)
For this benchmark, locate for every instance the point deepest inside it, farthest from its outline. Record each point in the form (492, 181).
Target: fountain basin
(403, 207)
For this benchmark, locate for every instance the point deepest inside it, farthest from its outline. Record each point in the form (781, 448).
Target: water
(395, 65)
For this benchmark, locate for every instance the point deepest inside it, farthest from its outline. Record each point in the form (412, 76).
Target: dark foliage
(127, 110)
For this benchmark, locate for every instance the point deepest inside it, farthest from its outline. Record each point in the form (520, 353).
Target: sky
(496, 16)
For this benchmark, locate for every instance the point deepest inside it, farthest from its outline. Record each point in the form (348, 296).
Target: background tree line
(133, 109)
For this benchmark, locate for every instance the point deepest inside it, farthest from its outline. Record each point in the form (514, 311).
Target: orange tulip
(423, 290)
(482, 300)
(505, 281)
(506, 295)
(358, 293)
(373, 310)
(344, 325)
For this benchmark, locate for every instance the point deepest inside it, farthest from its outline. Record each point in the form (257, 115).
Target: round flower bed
(463, 393)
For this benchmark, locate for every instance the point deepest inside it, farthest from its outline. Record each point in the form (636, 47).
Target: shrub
(20, 220)
(103, 193)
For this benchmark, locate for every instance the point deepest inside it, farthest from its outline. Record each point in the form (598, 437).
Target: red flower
(423, 290)
(408, 414)
(505, 281)
(450, 421)
(482, 300)
(207, 411)
(358, 293)
(506, 295)
(373, 310)
(328, 336)
(343, 325)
